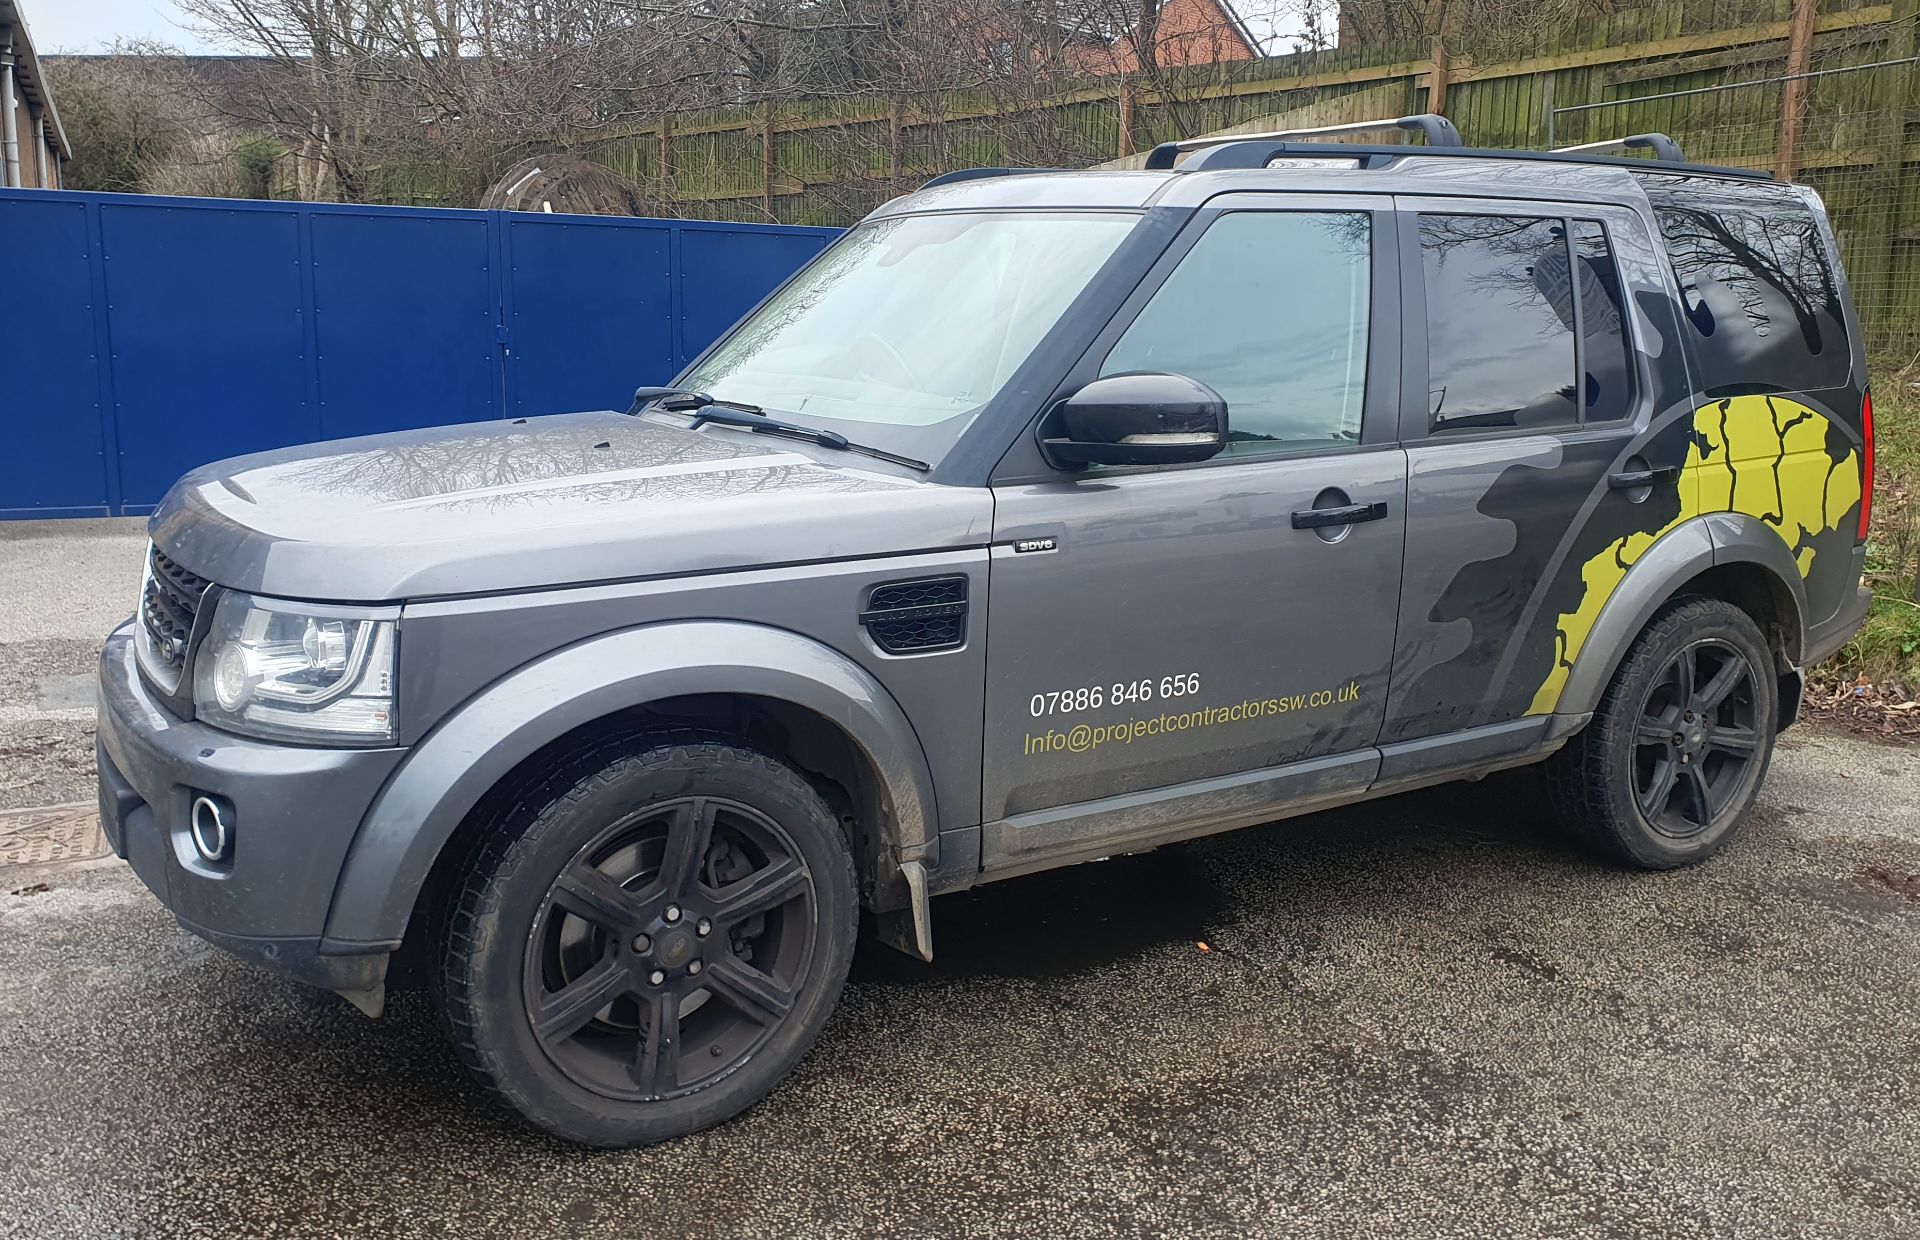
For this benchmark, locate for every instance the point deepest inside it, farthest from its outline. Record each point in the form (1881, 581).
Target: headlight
(297, 671)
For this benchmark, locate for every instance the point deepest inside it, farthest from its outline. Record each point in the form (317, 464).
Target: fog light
(210, 823)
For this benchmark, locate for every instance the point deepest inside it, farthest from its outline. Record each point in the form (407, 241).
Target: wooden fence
(1710, 74)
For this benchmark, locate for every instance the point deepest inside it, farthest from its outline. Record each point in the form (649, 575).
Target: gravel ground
(67, 585)
(1421, 1017)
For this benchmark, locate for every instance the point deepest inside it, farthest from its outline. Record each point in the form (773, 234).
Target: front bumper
(295, 812)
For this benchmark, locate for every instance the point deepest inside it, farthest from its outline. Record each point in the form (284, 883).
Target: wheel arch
(691, 672)
(1728, 556)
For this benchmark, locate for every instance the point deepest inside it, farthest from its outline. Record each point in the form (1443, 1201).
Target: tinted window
(1499, 322)
(1605, 357)
(1755, 285)
(1270, 309)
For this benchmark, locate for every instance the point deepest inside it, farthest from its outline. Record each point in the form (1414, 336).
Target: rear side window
(1500, 348)
(1756, 286)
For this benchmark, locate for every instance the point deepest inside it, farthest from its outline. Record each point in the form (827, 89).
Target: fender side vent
(914, 617)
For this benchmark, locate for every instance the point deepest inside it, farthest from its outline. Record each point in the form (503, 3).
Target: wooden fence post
(666, 158)
(1793, 100)
(1545, 127)
(896, 121)
(766, 160)
(1437, 79)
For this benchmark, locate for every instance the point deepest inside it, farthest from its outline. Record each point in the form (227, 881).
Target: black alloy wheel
(648, 940)
(1696, 739)
(669, 949)
(1673, 758)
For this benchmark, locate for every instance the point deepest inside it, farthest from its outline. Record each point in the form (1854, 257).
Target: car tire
(649, 941)
(1666, 771)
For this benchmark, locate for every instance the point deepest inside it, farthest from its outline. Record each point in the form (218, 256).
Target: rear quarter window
(1757, 288)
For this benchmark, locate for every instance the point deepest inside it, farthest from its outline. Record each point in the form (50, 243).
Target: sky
(89, 25)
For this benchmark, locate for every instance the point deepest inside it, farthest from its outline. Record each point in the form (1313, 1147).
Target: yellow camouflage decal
(1760, 455)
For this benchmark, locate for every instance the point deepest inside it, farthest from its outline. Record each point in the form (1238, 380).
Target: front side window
(911, 323)
(1269, 308)
(1499, 322)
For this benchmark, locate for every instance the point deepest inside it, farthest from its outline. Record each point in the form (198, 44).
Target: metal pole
(43, 173)
(1727, 86)
(11, 130)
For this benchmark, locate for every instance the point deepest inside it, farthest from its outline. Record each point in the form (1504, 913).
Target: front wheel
(652, 949)
(1672, 760)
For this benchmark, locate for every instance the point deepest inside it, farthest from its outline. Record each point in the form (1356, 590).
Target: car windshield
(911, 323)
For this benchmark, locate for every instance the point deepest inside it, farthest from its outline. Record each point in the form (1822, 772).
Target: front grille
(914, 617)
(167, 611)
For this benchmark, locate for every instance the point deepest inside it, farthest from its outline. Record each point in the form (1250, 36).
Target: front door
(1151, 630)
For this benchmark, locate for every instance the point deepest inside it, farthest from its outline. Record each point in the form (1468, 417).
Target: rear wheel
(1667, 769)
(651, 949)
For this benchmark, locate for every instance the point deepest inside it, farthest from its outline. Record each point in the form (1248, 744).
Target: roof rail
(1437, 130)
(1664, 149)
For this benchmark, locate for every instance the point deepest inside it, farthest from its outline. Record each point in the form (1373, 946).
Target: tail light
(1866, 463)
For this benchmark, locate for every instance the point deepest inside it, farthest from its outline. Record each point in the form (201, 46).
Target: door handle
(1345, 514)
(1634, 479)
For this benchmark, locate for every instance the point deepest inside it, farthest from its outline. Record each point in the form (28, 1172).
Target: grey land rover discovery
(1044, 516)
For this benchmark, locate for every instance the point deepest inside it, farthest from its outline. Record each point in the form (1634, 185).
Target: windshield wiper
(706, 409)
(681, 400)
(760, 422)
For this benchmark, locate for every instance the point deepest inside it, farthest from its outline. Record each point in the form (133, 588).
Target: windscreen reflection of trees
(1270, 310)
(416, 467)
(913, 321)
(1499, 321)
(504, 470)
(1758, 291)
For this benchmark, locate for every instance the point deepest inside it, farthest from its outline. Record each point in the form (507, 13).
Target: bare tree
(433, 100)
(1487, 30)
(139, 124)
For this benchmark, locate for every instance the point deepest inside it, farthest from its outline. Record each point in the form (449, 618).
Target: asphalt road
(1421, 1017)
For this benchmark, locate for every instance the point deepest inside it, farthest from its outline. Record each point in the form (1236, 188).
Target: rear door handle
(1345, 514)
(1634, 479)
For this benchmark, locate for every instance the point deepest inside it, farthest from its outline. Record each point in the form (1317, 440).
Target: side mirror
(1140, 418)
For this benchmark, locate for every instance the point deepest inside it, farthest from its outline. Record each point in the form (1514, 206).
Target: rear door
(1527, 412)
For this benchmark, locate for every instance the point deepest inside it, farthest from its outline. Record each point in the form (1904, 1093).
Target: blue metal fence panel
(55, 460)
(145, 336)
(406, 320)
(724, 271)
(589, 311)
(209, 337)
(598, 306)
